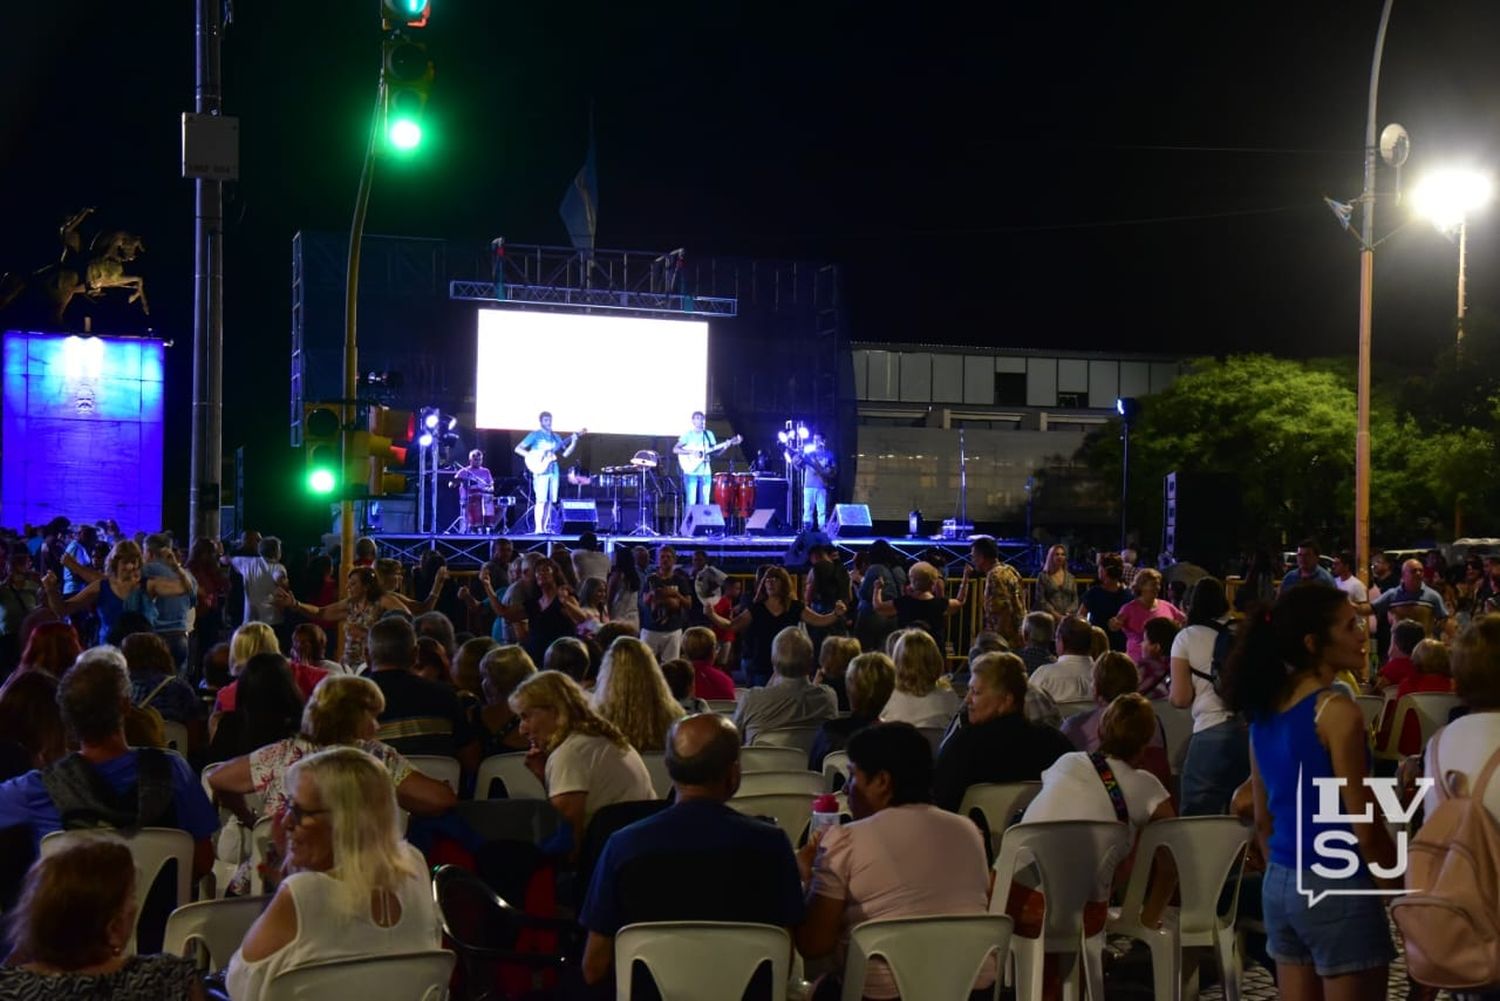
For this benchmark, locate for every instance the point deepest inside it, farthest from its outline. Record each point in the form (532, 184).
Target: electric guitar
(543, 457)
(690, 459)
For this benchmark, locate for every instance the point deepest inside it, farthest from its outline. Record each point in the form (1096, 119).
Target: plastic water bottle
(825, 814)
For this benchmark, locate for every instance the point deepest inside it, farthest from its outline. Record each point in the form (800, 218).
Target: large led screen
(82, 430)
(609, 374)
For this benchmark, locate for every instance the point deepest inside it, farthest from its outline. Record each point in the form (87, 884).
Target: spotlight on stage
(783, 437)
(802, 432)
(452, 423)
(430, 418)
(425, 440)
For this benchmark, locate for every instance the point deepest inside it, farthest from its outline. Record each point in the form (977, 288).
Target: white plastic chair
(766, 758)
(835, 768)
(217, 925)
(690, 960)
(1432, 710)
(1076, 707)
(438, 766)
(998, 802)
(937, 957)
(800, 737)
(151, 848)
(656, 767)
(420, 976)
(1373, 706)
(803, 783)
(1177, 724)
(511, 769)
(1207, 852)
(176, 735)
(791, 813)
(724, 707)
(1077, 859)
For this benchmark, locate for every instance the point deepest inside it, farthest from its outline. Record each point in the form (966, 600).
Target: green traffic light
(405, 134)
(321, 481)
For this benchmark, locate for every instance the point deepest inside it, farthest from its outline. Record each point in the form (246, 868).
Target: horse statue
(108, 254)
(113, 250)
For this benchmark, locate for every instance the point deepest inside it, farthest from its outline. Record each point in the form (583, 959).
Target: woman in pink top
(901, 857)
(1132, 618)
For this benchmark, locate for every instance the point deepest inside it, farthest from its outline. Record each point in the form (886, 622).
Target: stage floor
(470, 551)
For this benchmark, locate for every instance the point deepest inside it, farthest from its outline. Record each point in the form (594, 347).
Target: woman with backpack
(1218, 755)
(1326, 942)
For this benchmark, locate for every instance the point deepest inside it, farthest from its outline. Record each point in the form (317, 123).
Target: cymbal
(645, 457)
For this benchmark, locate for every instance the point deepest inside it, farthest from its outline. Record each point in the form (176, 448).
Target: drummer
(695, 446)
(476, 494)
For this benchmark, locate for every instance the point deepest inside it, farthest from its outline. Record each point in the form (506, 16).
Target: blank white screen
(610, 374)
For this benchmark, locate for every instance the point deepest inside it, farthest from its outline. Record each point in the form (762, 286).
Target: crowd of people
(221, 692)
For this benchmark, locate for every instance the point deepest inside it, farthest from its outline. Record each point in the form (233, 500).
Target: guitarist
(542, 449)
(695, 447)
(817, 475)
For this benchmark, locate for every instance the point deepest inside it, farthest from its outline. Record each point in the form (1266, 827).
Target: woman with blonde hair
(632, 693)
(923, 607)
(250, 640)
(583, 759)
(502, 669)
(342, 712)
(121, 589)
(1133, 615)
(923, 697)
(775, 608)
(870, 679)
(354, 889)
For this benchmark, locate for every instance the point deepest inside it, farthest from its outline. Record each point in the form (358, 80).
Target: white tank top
(326, 931)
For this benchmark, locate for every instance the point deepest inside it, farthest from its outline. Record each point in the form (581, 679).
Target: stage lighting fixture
(430, 419)
(452, 423)
(802, 431)
(782, 437)
(425, 441)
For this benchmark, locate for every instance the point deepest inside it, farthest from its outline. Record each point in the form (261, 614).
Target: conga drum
(744, 494)
(724, 492)
(474, 509)
(489, 509)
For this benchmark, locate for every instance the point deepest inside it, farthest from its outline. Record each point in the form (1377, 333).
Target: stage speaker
(849, 521)
(765, 521)
(396, 515)
(579, 516)
(703, 519)
(1201, 515)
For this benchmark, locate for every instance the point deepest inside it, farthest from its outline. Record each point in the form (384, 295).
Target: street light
(1446, 198)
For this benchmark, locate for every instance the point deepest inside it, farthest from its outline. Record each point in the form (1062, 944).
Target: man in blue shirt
(1413, 591)
(106, 782)
(1308, 570)
(660, 868)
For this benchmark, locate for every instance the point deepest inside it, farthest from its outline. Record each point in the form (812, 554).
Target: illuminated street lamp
(1446, 198)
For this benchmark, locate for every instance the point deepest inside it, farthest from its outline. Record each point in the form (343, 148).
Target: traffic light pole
(351, 346)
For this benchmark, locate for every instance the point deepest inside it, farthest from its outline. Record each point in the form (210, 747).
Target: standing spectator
(1218, 753)
(366, 603)
(922, 607)
(1301, 730)
(1308, 570)
(1146, 606)
(1128, 567)
(624, 586)
(792, 700)
(632, 694)
(1070, 678)
(1106, 597)
(870, 680)
(173, 611)
(1037, 631)
(19, 597)
(1343, 575)
(922, 697)
(827, 585)
(1384, 576)
(885, 569)
(1260, 582)
(264, 576)
(773, 611)
(589, 561)
(213, 590)
(1003, 602)
(1056, 588)
(666, 598)
(121, 590)
(1413, 591)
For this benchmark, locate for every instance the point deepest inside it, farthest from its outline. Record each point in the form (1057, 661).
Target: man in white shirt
(1070, 678)
(263, 575)
(588, 561)
(1343, 576)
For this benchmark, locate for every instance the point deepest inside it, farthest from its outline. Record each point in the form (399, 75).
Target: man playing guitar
(693, 450)
(817, 465)
(476, 494)
(541, 449)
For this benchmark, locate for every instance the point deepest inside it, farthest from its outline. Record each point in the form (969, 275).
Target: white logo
(1336, 852)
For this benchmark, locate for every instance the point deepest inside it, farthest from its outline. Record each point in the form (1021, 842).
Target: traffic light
(320, 447)
(411, 13)
(407, 75)
(387, 426)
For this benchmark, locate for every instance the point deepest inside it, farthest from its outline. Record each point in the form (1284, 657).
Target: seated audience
(791, 700)
(1115, 675)
(69, 933)
(569, 655)
(432, 662)
(268, 708)
(655, 869)
(869, 680)
(992, 740)
(1155, 664)
(437, 627)
(52, 648)
(354, 887)
(502, 669)
(849, 870)
(420, 716)
(253, 638)
(1037, 632)
(31, 729)
(310, 647)
(1070, 678)
(834, 657)
(1463, 747)
(680, 678)
(584, 761)
(90, 787)
(633, 695)
(1431, 674)
(154, 683)
(699, 646)
(1405, 635)
(922, 697)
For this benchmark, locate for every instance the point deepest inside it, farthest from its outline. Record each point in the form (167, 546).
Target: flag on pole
(580, 203)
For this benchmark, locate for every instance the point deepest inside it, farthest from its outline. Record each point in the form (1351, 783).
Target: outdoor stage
(464, 552)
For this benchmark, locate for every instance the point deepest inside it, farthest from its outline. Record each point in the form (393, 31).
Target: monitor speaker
(703, 519)
(849, 521)
(579, 516)
(765, 521)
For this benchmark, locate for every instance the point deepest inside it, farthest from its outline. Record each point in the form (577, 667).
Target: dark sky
(983, 173)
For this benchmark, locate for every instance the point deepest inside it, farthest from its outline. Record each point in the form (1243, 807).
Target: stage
(468, 552)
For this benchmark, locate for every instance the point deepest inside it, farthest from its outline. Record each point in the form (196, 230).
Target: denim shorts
(1337, 935)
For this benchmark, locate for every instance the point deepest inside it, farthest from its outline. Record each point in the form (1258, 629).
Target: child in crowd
(1405, 635)
(1154, 665)
(680, 678)
(1430, 673)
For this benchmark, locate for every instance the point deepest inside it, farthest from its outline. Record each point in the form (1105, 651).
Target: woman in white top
(1218, 755)
(922, 696)
(583, 760)
(1466, 745)
(355, 888)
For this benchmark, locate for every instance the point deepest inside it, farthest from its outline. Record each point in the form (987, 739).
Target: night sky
(1146, 177)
